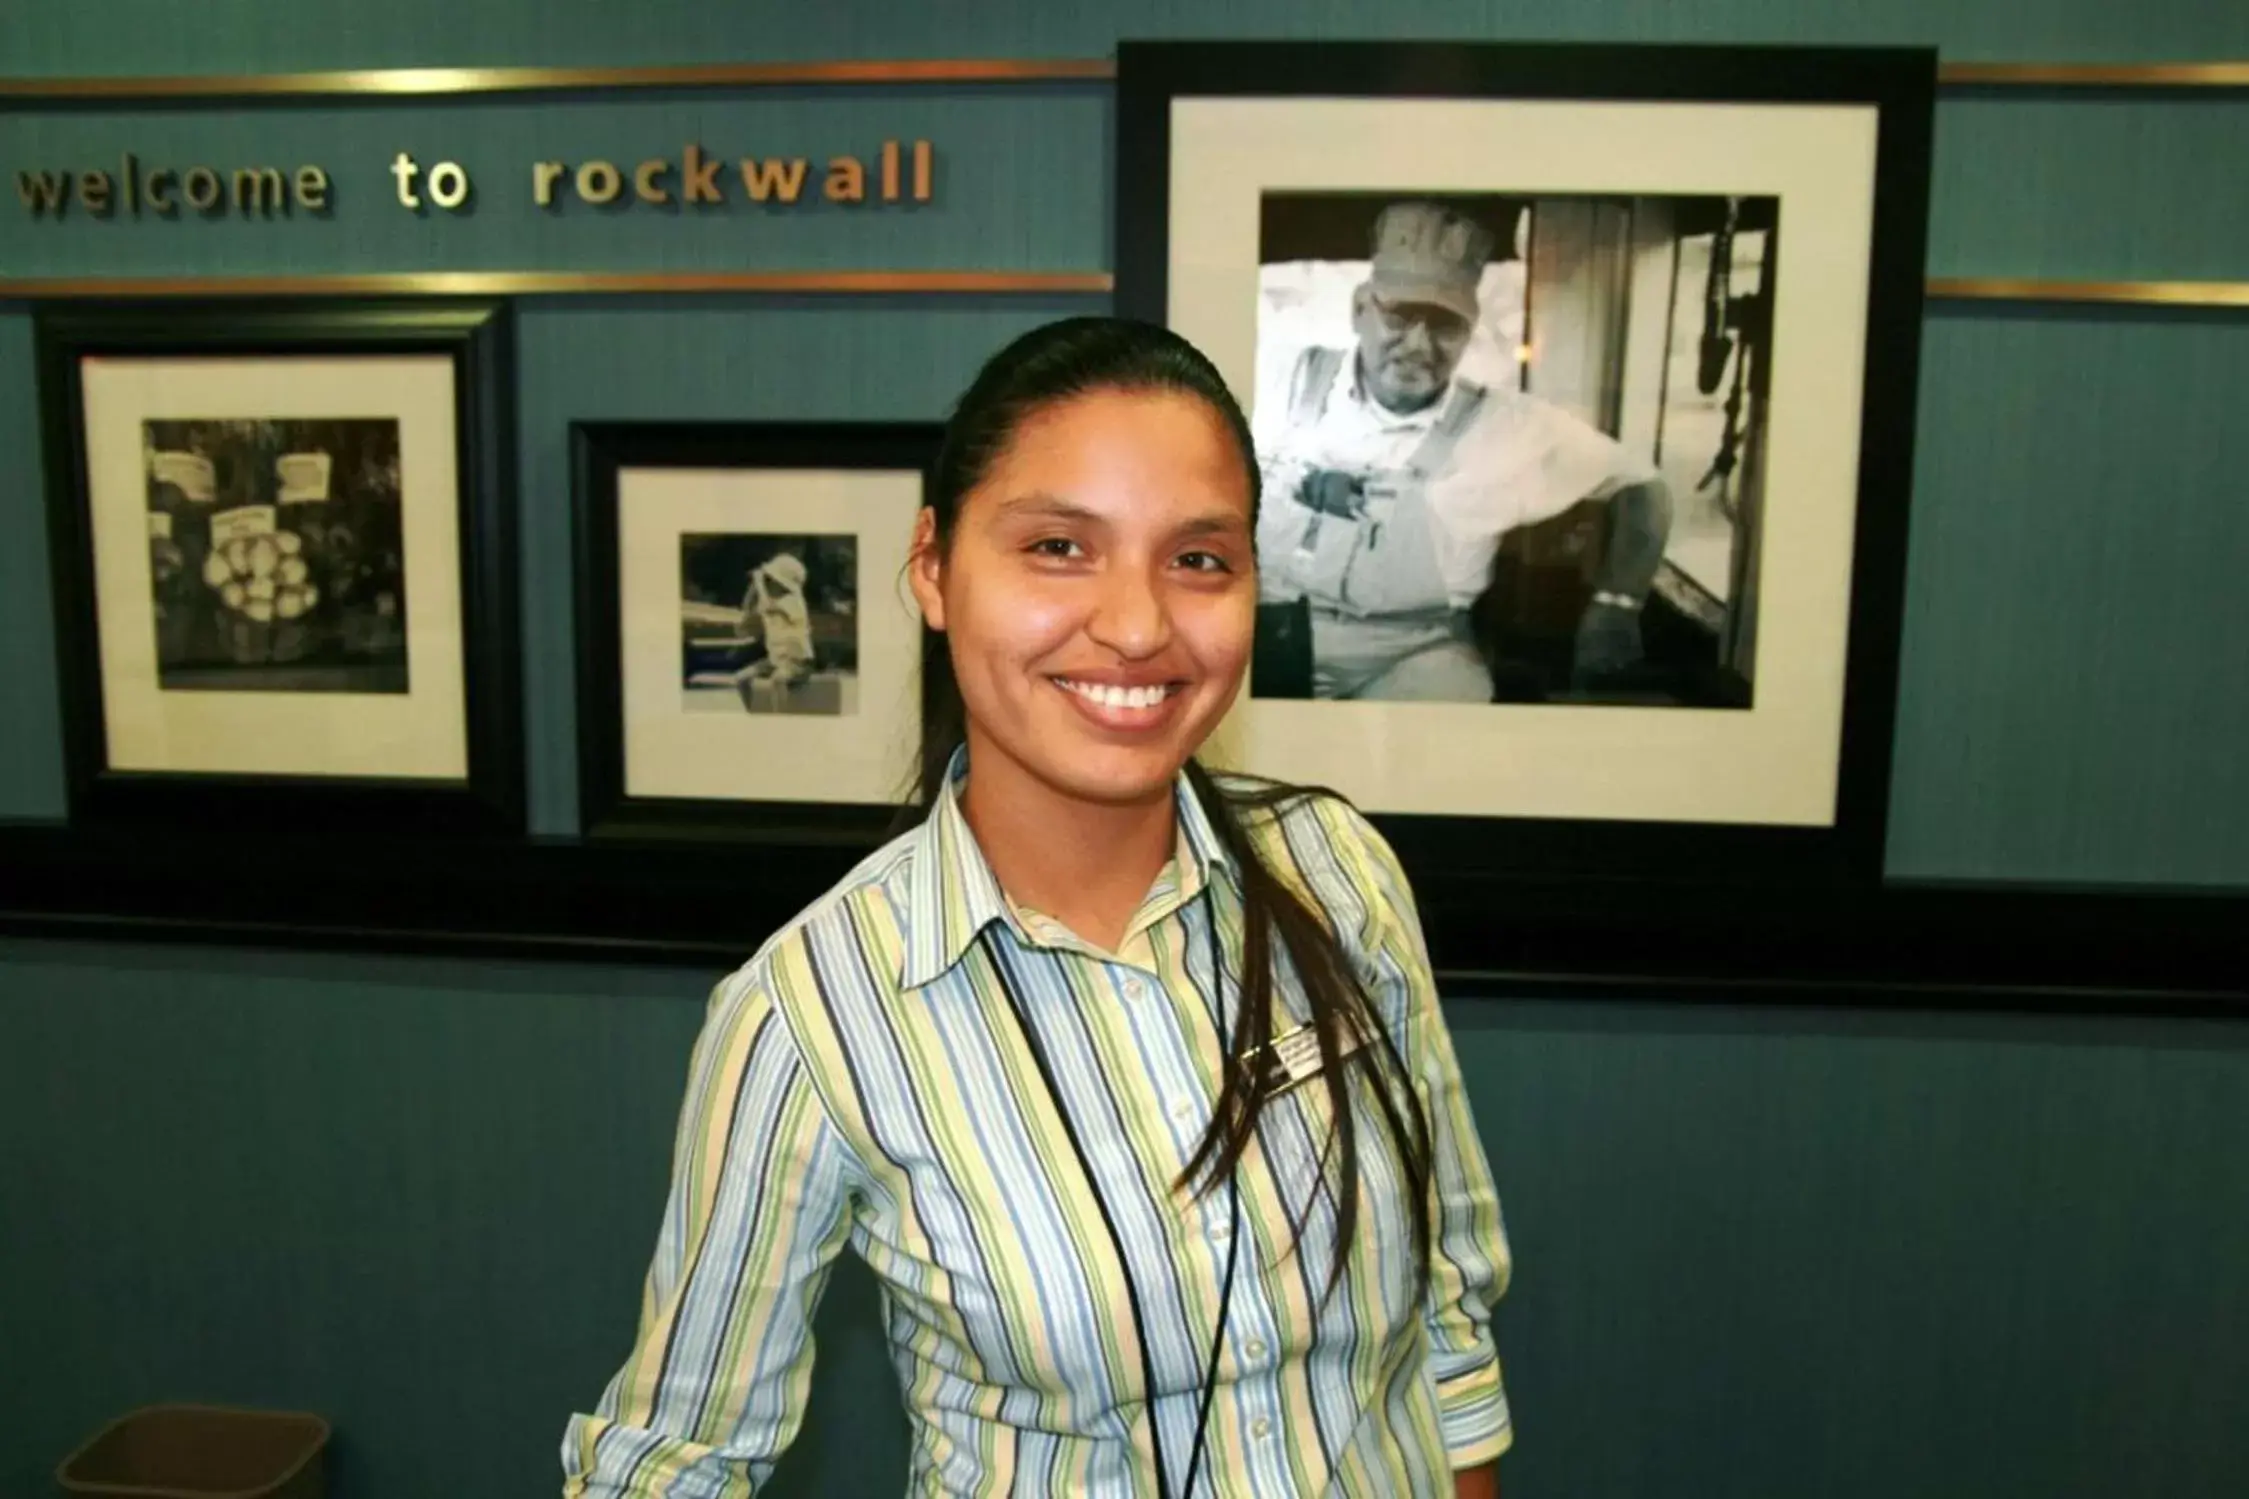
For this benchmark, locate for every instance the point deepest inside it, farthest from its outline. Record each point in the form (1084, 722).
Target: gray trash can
(201, 1452)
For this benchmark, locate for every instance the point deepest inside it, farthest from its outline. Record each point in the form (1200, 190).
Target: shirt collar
(954, 895)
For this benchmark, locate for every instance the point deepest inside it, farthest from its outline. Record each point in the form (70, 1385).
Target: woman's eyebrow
(1038, 502)
(1053, 507)
(1217, 523)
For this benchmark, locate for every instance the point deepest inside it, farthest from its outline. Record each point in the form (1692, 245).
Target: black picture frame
(1472, 851)
(600, 453)
(476, 336)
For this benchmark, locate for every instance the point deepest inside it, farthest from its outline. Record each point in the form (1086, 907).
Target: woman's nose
(1129, 617)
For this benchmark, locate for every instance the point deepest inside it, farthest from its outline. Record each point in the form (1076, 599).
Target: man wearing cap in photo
(1390, 483)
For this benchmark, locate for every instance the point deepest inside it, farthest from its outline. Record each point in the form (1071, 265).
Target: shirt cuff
(1472, 1414)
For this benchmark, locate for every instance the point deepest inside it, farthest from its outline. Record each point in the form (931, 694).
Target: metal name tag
(1293, 1057)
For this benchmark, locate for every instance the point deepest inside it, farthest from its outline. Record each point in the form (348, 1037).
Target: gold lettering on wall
(598, 182)
(43, 192)
(448, 185)
(702, 179)
(402, 167)
(258, 190)
(773, 177)
(900, 171)
(698, 176)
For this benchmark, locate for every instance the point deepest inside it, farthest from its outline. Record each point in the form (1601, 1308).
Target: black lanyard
(1116, 1239)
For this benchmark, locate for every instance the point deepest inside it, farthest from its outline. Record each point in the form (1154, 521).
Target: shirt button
(1134, 989)
(1221, 1232)
(1261, 1428)
(1255, 1348)
(1183, 1110)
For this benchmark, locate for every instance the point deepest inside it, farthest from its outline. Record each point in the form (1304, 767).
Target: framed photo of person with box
(748, 658)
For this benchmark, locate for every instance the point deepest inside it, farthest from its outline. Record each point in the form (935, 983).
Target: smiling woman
(1097, 591)
(1042, 1060)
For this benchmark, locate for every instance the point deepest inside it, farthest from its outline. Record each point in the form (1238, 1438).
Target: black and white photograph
(284, 542)
(1583, 504)
(769, 623)
(1511, 445)
(749, 659)
(277, 555)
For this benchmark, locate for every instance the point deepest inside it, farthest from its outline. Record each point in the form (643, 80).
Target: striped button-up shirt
(868, 1079)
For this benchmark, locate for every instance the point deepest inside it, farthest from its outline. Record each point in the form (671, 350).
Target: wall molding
(2137, 293)
(2185, 294)
(429, 83)
(707, 903)
(2134, 76)
(563, 284)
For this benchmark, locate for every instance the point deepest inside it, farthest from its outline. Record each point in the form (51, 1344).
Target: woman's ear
(925, 569)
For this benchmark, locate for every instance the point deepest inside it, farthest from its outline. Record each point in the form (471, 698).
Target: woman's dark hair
(1040, 369)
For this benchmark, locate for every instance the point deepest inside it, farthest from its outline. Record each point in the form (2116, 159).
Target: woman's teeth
(1118, 697)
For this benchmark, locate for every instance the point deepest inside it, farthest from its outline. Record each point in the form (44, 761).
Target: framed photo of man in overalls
(1583, 502)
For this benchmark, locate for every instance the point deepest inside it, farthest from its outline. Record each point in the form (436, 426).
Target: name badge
(1293, 1057)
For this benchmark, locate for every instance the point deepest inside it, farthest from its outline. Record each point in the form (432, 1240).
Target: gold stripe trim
(2142, 293)
(434, 82)
(441, 82)
(2133, 75)
(565, 284)
(908, 283)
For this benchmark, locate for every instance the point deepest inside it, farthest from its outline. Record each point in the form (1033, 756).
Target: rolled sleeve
(714, 1389)
(1469, 1260)
(1472, 1413)
(1577, 462)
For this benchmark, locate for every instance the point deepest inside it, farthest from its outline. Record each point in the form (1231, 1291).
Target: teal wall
(1762, 1250)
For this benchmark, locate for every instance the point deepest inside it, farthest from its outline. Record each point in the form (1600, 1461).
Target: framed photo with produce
(1582, 380)
(283, 556)
(748, 653)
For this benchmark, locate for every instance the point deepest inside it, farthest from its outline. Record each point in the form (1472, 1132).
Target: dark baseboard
(709, 905)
